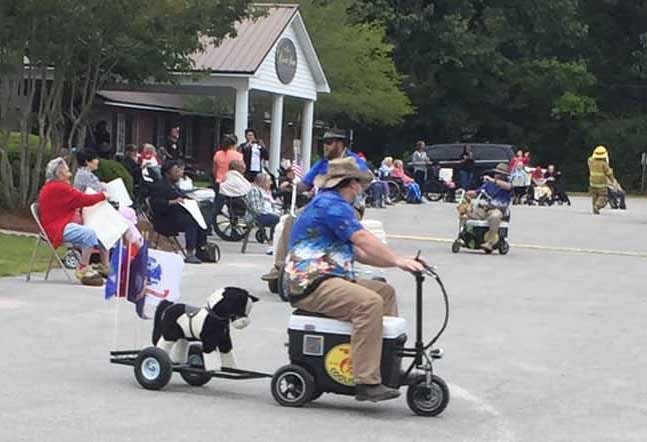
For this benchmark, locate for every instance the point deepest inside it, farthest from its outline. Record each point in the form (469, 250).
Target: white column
(306, 133)
(242, 113)
(276, 132)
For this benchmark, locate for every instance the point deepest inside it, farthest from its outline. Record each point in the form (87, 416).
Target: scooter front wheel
(428, 400)
(456, 246)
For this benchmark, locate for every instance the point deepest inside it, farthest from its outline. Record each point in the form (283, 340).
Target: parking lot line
(532, 246)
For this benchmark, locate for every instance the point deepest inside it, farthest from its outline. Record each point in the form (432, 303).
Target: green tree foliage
(79, 45)
(366, 87)
(110, 169)
(559, 75)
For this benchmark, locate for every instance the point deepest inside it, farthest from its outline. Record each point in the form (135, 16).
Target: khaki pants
(493, 218)
(281, 249)
(599, 197)
(363, 304)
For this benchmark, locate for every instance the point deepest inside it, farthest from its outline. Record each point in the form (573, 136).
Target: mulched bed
(17, 220)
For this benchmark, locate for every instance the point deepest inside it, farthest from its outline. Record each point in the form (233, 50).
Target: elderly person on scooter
(325, 241)
(498, 190)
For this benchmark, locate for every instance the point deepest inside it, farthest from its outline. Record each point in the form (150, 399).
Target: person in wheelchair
(414, 193)
(616, 193)
(260, 203)
(325, 241)
(554, 182)
(170, 218)
(498, 190)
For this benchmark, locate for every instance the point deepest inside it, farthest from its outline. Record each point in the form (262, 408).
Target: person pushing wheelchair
(325, 241)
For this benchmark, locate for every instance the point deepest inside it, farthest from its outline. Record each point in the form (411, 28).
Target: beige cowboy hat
(501, 169)
(342, 169)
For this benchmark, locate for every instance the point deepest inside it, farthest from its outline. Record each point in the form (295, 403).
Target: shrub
(110, 169)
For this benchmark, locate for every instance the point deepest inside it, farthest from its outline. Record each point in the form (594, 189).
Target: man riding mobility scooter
(346, 336)
(484, 214)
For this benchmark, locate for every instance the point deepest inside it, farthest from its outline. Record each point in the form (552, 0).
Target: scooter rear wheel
(292, 386)
(428, 400)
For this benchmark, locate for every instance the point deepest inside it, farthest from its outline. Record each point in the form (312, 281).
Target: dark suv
(486, 156)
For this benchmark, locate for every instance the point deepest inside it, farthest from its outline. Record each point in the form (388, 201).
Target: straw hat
(501, 169)
(342, 169)
(600, 153)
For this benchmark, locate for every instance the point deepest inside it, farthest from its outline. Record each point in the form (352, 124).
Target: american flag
(298, 170)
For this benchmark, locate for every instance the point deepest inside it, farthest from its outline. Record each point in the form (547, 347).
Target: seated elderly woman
(260, 203)
(169, 217)
(414, 195)
(88, 161)
(59, 203)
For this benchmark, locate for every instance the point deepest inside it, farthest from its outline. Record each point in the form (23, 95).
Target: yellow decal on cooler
(339, 365)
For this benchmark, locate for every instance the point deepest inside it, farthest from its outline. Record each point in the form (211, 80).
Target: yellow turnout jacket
(599, 173)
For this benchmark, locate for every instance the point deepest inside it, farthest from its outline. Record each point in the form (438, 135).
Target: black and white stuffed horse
(176, 325)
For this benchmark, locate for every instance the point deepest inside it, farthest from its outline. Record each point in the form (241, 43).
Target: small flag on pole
(298, 170)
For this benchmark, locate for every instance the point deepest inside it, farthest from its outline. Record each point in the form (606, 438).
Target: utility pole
(643, 166)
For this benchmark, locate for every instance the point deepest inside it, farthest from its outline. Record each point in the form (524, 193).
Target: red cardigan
(57, 204)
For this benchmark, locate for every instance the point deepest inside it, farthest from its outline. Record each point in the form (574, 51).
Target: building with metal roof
(270, 55)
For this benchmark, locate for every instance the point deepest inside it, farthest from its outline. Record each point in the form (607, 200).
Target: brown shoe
(102, 270)
(272, 275)
(375, 393)
(87, 276)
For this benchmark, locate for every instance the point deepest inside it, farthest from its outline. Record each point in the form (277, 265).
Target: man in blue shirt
(325, 241)
(499, 194)
(335, 145)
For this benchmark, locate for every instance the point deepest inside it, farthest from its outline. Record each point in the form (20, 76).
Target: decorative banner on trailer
(339, 365)
(164, 276)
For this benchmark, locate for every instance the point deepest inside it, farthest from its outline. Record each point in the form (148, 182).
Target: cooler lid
(393, 327)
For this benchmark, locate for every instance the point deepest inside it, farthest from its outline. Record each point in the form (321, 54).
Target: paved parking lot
(544, 344)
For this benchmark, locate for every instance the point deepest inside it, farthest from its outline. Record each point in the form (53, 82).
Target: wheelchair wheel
(261, 236)
(71, 259)
(395, 193)
(228, 227)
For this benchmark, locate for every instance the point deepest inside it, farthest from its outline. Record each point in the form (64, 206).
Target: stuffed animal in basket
(176, 325)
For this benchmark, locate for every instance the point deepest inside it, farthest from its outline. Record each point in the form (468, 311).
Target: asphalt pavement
(544, 344)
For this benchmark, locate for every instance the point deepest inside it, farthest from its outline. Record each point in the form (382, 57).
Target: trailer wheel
(292, 386)
(427, 400)
(195, 360)
(153, 368)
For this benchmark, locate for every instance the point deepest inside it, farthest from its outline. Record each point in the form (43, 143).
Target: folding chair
(42, 237)
(158, 232)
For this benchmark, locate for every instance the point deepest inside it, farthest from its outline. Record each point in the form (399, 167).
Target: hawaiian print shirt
(320, 245)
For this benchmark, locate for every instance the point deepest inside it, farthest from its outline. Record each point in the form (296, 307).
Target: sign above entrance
(286, 60)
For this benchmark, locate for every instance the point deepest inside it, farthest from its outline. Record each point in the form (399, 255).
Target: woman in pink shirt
(223, 157)
(414, 193)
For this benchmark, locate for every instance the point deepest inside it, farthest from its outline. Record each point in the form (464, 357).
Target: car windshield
(445, 152)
